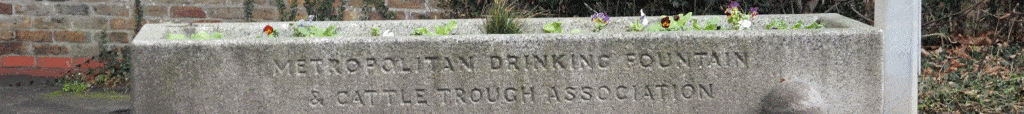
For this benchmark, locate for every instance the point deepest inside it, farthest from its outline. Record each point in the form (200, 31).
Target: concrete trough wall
(836, 69)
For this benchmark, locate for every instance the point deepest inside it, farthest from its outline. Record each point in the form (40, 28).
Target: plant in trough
(556, 27)
(776, 24)
(305, 28)
(376, 32)
(740, 20)
(442, 30)
(600, 20)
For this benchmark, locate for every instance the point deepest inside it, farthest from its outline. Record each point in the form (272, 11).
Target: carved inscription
(511, 95)
(506, 63)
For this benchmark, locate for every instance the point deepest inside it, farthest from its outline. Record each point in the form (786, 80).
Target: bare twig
(861, 15)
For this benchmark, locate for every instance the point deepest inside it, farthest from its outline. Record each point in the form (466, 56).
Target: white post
(901, 21)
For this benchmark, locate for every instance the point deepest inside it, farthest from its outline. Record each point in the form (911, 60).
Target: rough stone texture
(50, 50)
(613, 71)
(793, 97)
(73, 9)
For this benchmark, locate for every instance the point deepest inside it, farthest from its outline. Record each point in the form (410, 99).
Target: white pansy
(745, 24)
(643, 18)
(387, 33)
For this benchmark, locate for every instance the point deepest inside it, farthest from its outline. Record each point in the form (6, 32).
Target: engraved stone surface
(614, 71)
(793, 97)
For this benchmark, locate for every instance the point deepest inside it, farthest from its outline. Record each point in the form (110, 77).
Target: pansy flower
(600, 18)
(753, 11)
(643, 17)
(269, 30)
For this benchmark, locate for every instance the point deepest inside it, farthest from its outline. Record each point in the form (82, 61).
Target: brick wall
(45, 37)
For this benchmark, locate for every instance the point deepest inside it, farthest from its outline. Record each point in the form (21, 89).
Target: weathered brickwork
(45, 31)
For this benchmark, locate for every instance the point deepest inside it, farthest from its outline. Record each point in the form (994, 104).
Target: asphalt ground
(21, 94)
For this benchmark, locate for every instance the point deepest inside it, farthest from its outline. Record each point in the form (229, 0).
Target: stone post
(901, 22)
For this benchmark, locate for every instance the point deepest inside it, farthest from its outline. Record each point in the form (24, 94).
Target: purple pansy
(734, 4)
(753, 11)
(600, 18)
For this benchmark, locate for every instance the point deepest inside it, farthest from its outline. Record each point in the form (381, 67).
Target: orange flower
(269, 30)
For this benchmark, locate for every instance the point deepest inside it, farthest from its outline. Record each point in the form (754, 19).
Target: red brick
(6, 35)
(154, 11)
(18, 61)
(90, 23)
(54, 62)
(122, 37)
(265, 14)
(50, 23)
(15, 22)
(122, 24)
(227, 12)
(34, 36)
(207, 21)
(33, 9)
(87, 63)
(70, 36)
(113, 10)
(50, 50)
(11, 48)
(6, 8)
(187, 12)
(408, 4)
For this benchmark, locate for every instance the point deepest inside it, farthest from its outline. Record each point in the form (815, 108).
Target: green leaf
(712, 24)
(447, 28)
(798, 25)
(420, 31)
(217, 35)
(575, 31)
(176, 37)
(374, 31)
(201, 35)
(99, 78)
(554, 27)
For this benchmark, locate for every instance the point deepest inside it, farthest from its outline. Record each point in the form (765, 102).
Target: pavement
(22, 94)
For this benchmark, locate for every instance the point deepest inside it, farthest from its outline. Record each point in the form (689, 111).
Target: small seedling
(442, 30)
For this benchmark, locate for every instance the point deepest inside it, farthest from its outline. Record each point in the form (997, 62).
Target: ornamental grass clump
(502, 17)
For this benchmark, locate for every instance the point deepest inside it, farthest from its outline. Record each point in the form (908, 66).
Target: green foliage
(287, 13)
(115, 70)
(554, 27)
(502, 18)
(75, 87)
(248, 10)
(776, 24)
(313, 31)
(324, 10)
(379, 7)
(442, 30)
(710, 24)
(375, 31)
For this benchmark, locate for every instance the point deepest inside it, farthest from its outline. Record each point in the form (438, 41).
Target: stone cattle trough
(836, 69)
